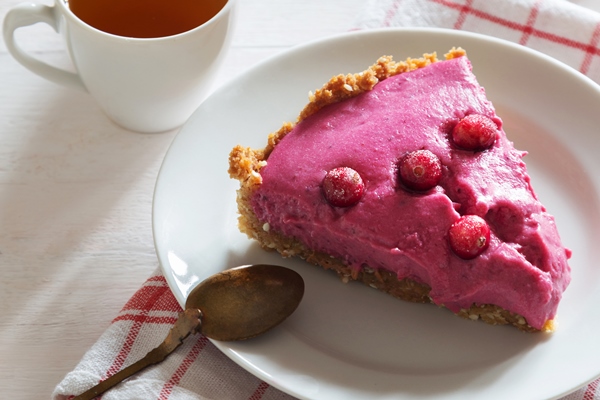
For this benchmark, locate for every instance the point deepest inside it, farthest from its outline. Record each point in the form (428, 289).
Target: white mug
(142, 84)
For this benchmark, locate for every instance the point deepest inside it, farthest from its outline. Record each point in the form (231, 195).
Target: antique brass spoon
(235, 304)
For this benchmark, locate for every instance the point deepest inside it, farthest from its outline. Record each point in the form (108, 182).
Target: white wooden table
(76, 194)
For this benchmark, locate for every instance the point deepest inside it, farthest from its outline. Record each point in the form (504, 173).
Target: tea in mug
(145, 18)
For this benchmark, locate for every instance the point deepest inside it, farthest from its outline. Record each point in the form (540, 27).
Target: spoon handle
(188, 322)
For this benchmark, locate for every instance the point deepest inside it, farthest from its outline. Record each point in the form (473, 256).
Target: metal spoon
(235, 304)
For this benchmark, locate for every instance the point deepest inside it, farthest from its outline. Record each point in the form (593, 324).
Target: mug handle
(28, 14)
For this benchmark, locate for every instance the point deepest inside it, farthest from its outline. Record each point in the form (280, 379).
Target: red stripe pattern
(182, 369)
(559, 28)
(196, 370)
(591, 391)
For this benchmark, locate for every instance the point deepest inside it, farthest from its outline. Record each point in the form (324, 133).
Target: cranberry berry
(475, 132)
(469, 236)
(343, 187)
(420, 170)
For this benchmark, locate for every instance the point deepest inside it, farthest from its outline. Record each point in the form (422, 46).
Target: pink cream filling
(525, 268)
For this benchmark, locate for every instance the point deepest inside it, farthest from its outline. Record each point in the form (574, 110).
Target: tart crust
(245, 164)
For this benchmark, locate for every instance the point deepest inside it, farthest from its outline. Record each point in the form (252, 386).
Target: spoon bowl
(244, 302)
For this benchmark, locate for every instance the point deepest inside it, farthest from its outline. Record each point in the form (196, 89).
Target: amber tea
(145, 18)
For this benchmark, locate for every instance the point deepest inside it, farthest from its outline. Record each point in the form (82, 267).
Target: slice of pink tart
(402, 177)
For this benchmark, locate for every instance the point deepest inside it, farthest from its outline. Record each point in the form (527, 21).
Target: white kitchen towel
(561, 29)
(196, 370)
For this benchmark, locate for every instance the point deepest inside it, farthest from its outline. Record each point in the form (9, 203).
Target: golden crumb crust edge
(245, 164)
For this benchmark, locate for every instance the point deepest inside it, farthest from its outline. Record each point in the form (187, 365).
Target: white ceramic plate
(351, 342)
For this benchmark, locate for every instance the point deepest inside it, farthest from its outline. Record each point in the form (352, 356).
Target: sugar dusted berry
(475, 132)
(343, 187)
(469, 236)
(420, 170)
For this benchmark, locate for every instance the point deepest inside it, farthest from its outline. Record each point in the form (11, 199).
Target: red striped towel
(196, 370)
(562, 29)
